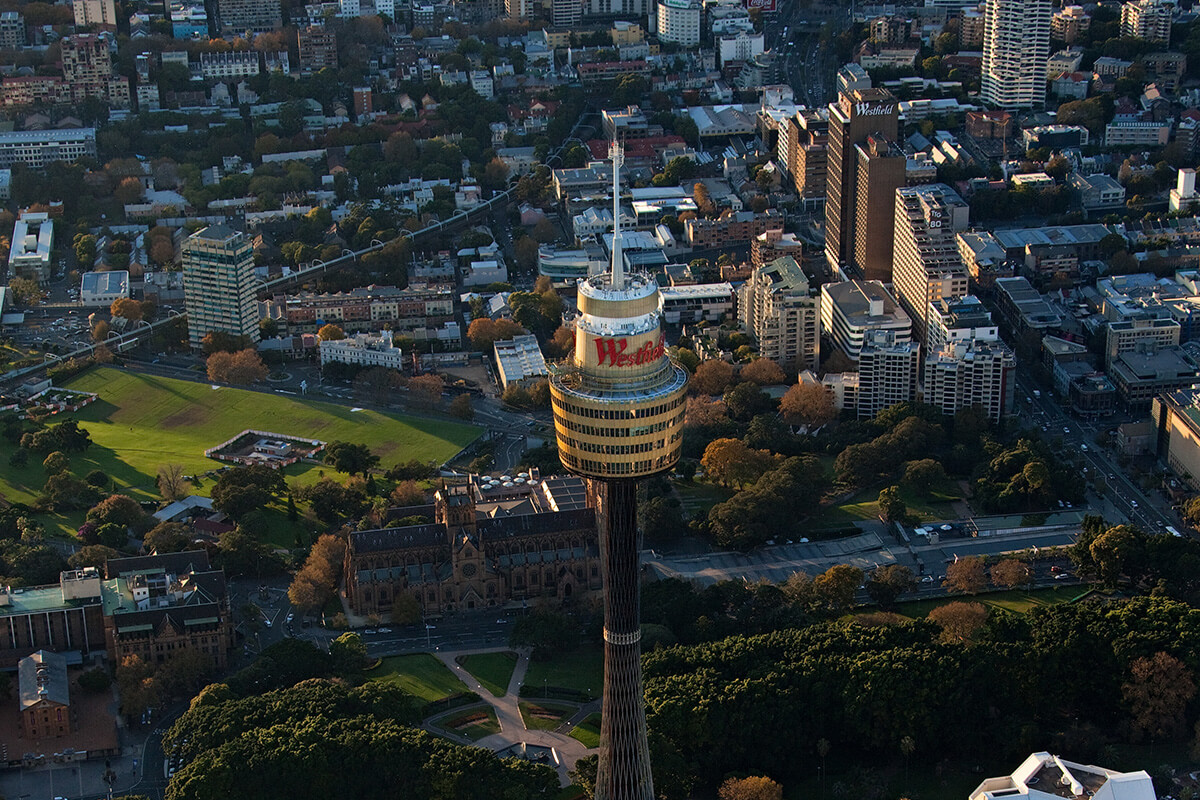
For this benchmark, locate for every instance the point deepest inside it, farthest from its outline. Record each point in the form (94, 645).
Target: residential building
(1055, 137)
(219, 285)
(882, 169)
(809, 157)
(959, 319)
(887, 372)
(317, 46)
(1184, 196)
(984, 258)
(740, 46)
(1111, 67)
(370, 308)
(990, 124)
(1069, 23)
(972, 23)
(733, 228)
(519, 361)
(32, 241)
(926, 263)
(850, 310)
(482, 83)
(158, 606)
(364, 102)
(1165, 70)
(971, 373)
(1016, 48)
(679, 22)
(492, 544)
(566, 13)
(841, 386)
(44, 692)
(255, 16)
(99, 13)
(12, 30)
(364, 350)
(1126, 133)
(230, 65)
(1147, 19)
(851, 77)
(189, 21)
(778, 309)
(626, 123)
(772, 244)
(87, 70)
(856, 115)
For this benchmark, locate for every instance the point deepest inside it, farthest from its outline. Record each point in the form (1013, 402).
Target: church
(493, 542)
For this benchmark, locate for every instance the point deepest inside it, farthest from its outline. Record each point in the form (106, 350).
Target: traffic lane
(945, 551)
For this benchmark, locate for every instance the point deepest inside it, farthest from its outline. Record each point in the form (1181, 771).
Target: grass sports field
(143, 421)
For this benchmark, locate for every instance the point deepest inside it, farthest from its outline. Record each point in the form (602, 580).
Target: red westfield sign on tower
(612, 351)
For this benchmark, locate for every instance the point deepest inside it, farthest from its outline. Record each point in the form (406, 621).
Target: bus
(1173, 532)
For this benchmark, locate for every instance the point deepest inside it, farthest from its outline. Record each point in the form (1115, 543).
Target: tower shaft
(624, 770)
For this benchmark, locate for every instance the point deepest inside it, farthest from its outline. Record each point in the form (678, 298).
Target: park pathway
(508, 712)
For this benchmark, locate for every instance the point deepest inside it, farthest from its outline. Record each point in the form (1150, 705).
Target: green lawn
(420, 675)
(581, 669)
(141, 422)
(588, 731)
(697, 496)
(493, 670)
(865, 505)
(543, 715)
(473, 724)
(1018, 601)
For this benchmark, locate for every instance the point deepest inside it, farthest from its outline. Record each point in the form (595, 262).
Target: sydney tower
(618, 414)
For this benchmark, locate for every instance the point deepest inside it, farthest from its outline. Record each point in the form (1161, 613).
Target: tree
(764, 372)
(407, 493)
(756, 787)
(171, 483)
(349, 655)
(484, 332)
(56, 462)
(351, 458)
(330, 333)
(462, 408)
(921, 476)
(966, 575)
(221, 342)
(118, 509)
(730, 463)
(809, 404)
(128, 308)
(712, 377)
(835, 587)
(891, 506)
(244, 489)
(241, 368)
(1158, 693)
(426, 390)
(405, 609)
(1115, 551)
(138, 687)
(92, 555)
(26, 291)
(167, 537)
(958, 620)
(101, 331)
(1010, 573)
(317, 580)
(888, 582)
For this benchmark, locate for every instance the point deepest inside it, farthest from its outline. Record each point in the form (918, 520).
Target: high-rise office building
(856, 115)
(777, 307)
(219, 287)
(1147, 19)
(618, 408)
(881, 171)
(926, 264)
(808, 141)
(851, 310)
(256, 16)
(1016, 48)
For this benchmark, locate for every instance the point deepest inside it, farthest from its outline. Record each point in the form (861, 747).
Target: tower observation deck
(619, 405)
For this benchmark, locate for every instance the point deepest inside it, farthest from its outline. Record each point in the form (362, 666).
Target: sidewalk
(508, 713)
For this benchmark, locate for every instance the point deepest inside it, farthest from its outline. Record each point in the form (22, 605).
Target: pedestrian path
(508, 713)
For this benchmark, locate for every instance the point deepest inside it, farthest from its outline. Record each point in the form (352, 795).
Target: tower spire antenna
(617, 154)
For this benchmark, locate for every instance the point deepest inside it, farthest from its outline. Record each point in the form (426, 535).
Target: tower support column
(624, 770)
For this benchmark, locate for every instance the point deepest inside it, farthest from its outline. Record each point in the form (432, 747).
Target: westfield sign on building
(613, 352)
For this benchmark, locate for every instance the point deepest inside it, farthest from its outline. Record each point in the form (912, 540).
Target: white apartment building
(679, 22)
(95, 12)
(1016, 47)
(36, 149)
(959, 319)
(887, 372)
(971, 373)
(364, 350)
(1147, 19)
(851, 309)
(32, 241)
(777, 308)
(220, 290)
(702, 301)
(230, 64)
(926, 263)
